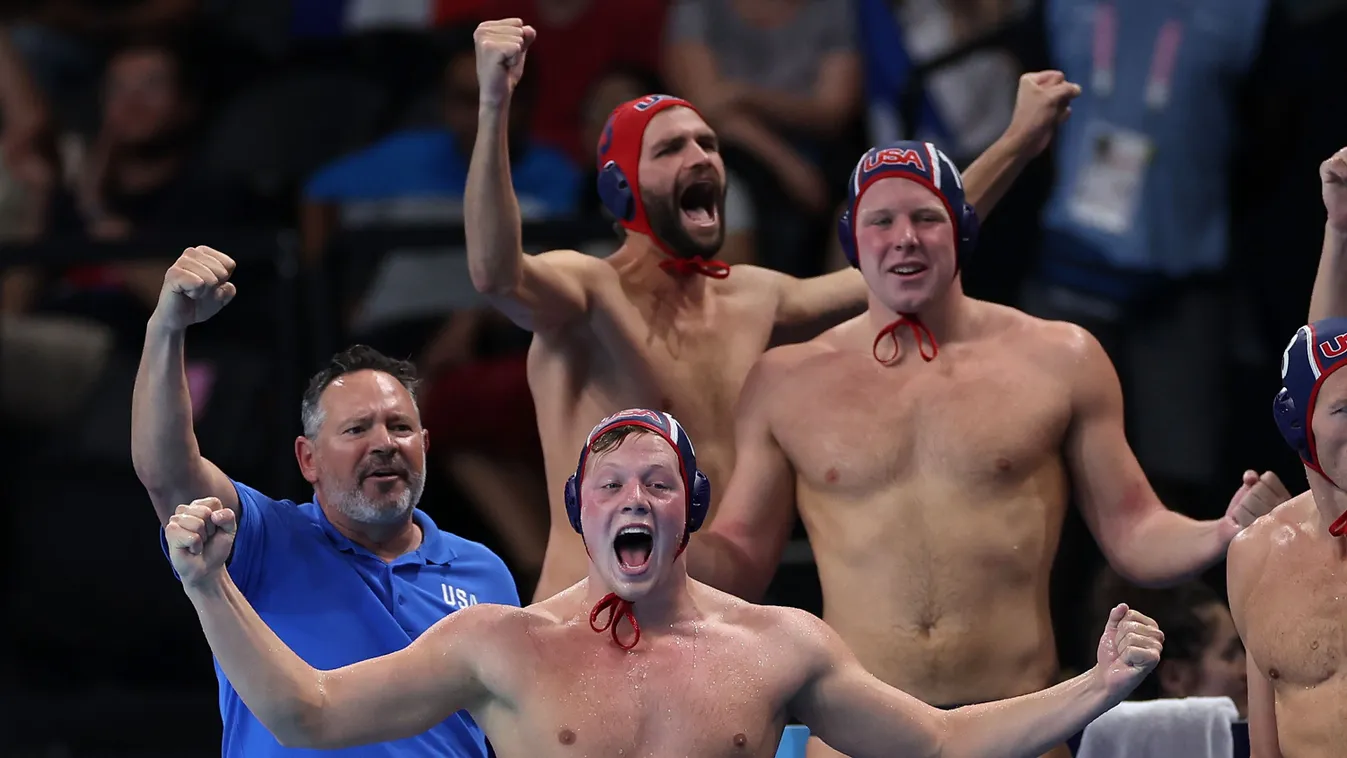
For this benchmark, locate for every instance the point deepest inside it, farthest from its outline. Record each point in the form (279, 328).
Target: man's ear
(305, 454)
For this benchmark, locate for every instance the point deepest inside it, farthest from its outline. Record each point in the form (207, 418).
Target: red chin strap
(1338, 527)
(696, 265)
(919, 331)
(618, 609)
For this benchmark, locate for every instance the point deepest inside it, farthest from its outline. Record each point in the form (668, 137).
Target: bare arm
(1330, 283)
(990, 177)
(387, 698)
(1145, 542)
(1244, 564)
(833, 297)
(537, 292)
(1329, 297)
(860, 716)
(740, 551)
(164, 449)
(1042, 102)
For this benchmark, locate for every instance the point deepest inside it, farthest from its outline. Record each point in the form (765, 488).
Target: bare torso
(1294, 628)
(933, 494)
(686, 354)
(716, 686)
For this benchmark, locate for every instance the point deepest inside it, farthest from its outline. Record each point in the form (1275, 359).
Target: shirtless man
(1285, 571)
(658, 323)
(930, 446)
(704, 673)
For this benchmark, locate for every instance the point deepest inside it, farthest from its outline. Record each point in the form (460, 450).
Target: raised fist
(1128, 650)
(1256, 496)
(199, 537)
(501, 47)
(1333, 173)
(1042, 103)
(196, 287)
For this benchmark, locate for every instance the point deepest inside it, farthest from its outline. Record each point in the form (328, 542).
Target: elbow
(301, 726)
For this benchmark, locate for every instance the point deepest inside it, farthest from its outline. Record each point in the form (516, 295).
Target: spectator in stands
(139, 175)
(357, 573)
(1136, 239)
(966, 104)
(64, 42)
(779, 81)
(625, 84)
(419, 174)
(477, 384)
(1203, 655)
(579, 42)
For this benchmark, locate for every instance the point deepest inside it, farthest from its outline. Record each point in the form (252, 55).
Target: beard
(359, 507)
(666, 222)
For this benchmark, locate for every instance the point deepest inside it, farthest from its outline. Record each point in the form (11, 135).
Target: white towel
(1194, 727)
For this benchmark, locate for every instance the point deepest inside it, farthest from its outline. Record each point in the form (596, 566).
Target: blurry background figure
(780, 82)
(1203, 655)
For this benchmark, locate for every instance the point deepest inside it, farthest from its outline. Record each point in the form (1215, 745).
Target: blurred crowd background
(324, 145)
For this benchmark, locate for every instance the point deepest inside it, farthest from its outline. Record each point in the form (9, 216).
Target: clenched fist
(195, 288)
(1333, 173)
(200, 536)
(1257, 495)
(1128, 650)
(501, 47)
(1042, 103)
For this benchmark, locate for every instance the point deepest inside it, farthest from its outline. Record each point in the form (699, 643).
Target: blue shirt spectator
(336, 603)
(1143, 162)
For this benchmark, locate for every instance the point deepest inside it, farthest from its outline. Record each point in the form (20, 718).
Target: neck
(943, 316)
(638, 261)
(1329, 501)
(387, 541)
(666, 603)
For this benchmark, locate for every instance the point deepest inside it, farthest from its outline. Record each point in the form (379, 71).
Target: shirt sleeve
(261, 521)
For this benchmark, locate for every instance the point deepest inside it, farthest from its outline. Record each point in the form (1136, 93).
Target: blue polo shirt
(335, 603)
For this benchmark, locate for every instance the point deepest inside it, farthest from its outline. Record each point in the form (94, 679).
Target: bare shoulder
(803, 635)
(772, 373)
(1283, 524)
(588, 267)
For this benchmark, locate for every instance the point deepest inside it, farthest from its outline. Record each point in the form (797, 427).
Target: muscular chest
(1296, 619)
(970, 418)
(679, 698)
(688, 357)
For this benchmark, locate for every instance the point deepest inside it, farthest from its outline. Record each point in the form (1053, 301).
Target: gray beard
(356, 506)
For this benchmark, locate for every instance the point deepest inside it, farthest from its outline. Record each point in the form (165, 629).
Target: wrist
(492, 110)
(1097, 690)
(162, 327)
(208, 587)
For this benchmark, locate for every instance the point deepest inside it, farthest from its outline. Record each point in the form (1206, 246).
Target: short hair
(352, 359)
(612, 439)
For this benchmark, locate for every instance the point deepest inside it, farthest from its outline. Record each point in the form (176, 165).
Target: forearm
(1028, 725)
(164, 449)
(715, 560)
(284, 692)
(1329, 298)
(990, 177)
(491, 224)
(1165, 548)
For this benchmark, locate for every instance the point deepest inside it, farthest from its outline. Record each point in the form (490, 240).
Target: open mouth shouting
(633, 545)
(699, 203)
